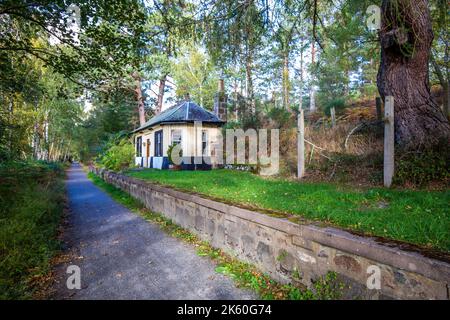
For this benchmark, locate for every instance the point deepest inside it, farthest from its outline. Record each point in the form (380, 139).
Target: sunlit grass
(419, 217)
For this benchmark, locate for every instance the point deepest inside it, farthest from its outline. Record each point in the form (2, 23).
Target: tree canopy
(75, 73)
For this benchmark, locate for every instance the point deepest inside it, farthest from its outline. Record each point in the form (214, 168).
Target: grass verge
(414, 216)
(31, 205)
(245, 275)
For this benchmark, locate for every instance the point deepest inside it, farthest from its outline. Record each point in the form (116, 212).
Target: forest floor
(122, 256)
(417, 217)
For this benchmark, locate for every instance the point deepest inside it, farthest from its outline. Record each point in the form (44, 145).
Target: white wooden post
(301, 144)
(388, 141)
(333, 117)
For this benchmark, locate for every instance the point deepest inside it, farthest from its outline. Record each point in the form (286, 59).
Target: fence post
(378, 106)
(301, 144)
(388, 141)
(333, 116)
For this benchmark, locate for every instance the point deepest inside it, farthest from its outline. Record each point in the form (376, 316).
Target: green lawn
(418, 217)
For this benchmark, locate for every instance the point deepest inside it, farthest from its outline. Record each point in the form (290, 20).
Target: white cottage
(177, 125)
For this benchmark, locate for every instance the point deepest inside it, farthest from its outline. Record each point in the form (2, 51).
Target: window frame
(205, 148)
(139, 146)
(172, 141)
(159, 146)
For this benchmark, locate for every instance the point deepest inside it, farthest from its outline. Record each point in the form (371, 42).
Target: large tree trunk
(406, 36)
(162, 88)
(139, 98)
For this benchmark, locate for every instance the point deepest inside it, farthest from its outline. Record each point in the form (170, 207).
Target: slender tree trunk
(235, 102)
(11, 111)
(139, 98)
(162, 87)
(286, 81)
(46, 136)
(312, 93)
(301, 78)
(36, 140)
(250, 90)
(403, 74)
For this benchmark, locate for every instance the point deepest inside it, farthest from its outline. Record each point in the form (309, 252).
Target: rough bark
(406, 36)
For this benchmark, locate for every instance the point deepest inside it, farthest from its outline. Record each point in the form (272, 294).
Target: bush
(423, 168)
(338, 104)
(281, 117)
(119, 156)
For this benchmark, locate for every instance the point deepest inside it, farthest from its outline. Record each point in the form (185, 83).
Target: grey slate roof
(186, 111)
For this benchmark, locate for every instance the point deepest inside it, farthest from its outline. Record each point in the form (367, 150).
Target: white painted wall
(191, 142)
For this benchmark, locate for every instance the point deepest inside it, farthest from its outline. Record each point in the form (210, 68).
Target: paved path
(122, 256)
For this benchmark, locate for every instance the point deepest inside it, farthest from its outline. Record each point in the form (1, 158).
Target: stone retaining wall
(285, 249)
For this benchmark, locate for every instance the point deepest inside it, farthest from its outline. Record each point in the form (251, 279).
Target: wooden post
(301, 144)
(378, 106)
(388, 141)
(333, 117)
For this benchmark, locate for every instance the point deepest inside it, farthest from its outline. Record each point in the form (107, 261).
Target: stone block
(347, 263)
(264, 254)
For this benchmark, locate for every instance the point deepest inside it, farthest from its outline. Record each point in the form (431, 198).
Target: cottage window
(204, 142)
(159, 143)
(176, 136)
(139, 147)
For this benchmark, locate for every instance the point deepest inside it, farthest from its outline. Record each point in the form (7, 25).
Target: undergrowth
(31, 204)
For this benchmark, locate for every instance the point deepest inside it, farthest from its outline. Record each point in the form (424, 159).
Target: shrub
(338, 104)
(423, 168)
(281, 117)
(118, 156)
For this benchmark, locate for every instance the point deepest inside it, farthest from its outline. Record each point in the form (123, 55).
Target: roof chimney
(221, 86)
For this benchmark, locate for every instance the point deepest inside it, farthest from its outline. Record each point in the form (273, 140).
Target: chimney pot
(221, 86)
